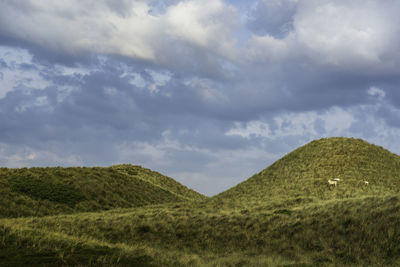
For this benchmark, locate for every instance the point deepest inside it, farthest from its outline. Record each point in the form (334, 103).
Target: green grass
(356, 231)
(302, 175)
(286, 215)
(46, 191)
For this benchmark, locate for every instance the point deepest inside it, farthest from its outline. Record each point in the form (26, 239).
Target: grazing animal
(332, 182)
(366, 182)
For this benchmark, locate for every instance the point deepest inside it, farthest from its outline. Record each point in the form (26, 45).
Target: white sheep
(366, 182)
(332, 182)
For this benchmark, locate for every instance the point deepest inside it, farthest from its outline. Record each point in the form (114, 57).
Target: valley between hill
(285, 215)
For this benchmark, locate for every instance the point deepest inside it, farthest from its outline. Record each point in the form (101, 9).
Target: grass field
(285, 215)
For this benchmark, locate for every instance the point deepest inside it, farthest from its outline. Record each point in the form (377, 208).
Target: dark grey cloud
(209, 103)
(3, 64)
(272, 17)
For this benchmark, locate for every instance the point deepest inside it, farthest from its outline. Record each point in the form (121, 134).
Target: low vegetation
(303, 174)
(286, 215)
(47, 191)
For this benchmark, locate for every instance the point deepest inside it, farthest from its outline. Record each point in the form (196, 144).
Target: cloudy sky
(208, 92)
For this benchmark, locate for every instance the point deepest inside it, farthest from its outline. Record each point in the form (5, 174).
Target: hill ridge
(190, 194)
(54, 190)
(285, 215)
(156, 185)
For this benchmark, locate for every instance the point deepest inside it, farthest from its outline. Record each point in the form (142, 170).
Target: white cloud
(147, 153)
(64, 91)
(19, 78)
(14, 75)
(266, 48)
(15, 56)
(295, 124)
(64, 70)
(91, 26)
(41, 102)
(137, 80)
(343, 32)
(22, 73)
(336, 121)
(159, 78)
(252, 128)
(111, 91)
(353, 35)
(375, 91)
(206, 89)
(204, 23)
(17, 156)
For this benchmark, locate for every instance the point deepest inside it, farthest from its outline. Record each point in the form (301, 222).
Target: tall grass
(359, 231)
(286, 215)
(46, 191)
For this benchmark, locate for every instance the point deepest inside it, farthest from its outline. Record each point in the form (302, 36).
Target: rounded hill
(53, 190)
(359, 168)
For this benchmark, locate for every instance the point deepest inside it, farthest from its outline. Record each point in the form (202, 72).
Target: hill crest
(305, 171)
(53, 190)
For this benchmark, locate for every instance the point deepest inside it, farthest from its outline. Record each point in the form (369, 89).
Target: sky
(208, 92)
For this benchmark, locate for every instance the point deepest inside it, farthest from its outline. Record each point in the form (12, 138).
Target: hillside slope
(348, 232)
(302, 175)
(158, 179)
(286, 215)
(45, 191)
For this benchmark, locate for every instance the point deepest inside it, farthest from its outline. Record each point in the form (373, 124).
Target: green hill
(303, 174)
(45, 191)
(286, 215)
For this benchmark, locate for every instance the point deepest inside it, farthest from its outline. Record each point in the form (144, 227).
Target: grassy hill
(302, 175)
(286, 215)
(45, 191)
(351, 232)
